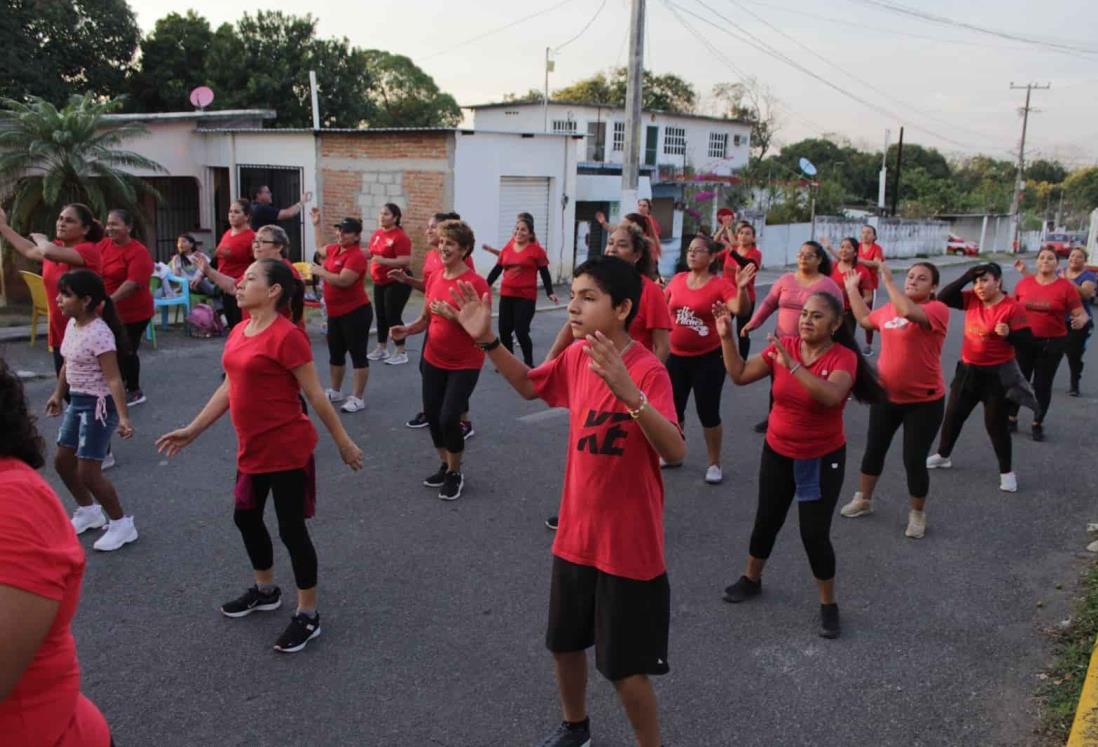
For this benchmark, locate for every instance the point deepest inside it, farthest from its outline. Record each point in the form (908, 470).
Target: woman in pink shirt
(788, 294)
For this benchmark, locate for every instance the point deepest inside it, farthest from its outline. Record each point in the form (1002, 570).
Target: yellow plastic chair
(305, 270)
(41, 304)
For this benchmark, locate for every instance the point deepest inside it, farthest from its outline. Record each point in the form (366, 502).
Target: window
(674, 141)
(737, 140)
(564, 126)
(596, 141)
(619, 136)
(718, 144)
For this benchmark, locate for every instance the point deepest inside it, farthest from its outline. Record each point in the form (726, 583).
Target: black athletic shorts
(625, 620)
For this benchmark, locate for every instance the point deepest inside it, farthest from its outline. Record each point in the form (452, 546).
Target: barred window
(564, 126)
(737, 140)
(619, 136)
(674, 141)
(718, 144)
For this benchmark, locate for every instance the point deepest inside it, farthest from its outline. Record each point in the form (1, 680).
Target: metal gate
(175, 213)
(523, 194)
(285, 183)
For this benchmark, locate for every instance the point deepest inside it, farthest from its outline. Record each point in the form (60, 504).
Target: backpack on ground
(203, 322)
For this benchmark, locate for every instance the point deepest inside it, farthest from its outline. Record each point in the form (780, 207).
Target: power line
(943, 20)
(583, 30)
(496, 30)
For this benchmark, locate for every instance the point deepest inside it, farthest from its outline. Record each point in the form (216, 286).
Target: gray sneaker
(569, 736)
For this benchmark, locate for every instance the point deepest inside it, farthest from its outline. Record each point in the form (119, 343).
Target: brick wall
(359, 172)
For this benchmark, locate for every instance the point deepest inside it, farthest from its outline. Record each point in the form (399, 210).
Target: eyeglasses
(257, 242)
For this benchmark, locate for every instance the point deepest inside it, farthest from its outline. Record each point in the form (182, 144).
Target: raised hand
(314, 216)
(785, 358)
(606, 362)
(744, 275)
(473, 313)
(306, 197)
(853, 281)
(724, 320)
(600, 218)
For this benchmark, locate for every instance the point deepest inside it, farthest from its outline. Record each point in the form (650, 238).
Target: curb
(1084, 729)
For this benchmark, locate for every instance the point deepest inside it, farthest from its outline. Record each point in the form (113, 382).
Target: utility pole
(1019, 183)
(545, 100)
(882, 177)
(630, 170)
(899, 167)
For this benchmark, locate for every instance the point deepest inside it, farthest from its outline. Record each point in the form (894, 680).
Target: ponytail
(84, 283)
(825, 260)
(95, 232)
(867, 387)
(278, 273)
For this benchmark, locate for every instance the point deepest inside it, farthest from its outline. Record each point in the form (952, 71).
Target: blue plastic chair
(181, 299)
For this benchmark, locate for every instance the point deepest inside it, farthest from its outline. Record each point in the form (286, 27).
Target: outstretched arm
(310, 386)
(174, 442)
(951, 294)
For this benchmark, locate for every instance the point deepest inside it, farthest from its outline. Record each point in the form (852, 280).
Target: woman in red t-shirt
(913, 328)
(695, 360)
(451, 360)
(745, 252)
(41, 569)
(234, 254)
(846, 262)
(349, 311)
(1052, 303)
(127, 268)
(870, 255)
(995, 324)
(77, 234)
(268, 366)
(804, 455)
(389, 249)
(520, 263)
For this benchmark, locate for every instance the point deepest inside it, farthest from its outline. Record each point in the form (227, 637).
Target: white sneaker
(1093, 546)
(88, 517)
(118, 533)
(353, 404)
(378, 354)
(1008, 482)
(713, 475)
(397, 359)
(916, 524)
(937, 461)
(333, 395)
(858, 506)
(108, 462)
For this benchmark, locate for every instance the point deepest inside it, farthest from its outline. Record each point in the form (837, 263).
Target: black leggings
(445, 398)
(350, 333)
(704, 374)
(1076, 348)
(130, 365)
(389, 300)
(920, 421)
(515, 315)
(776, 491)
(869, 332)
(741, 322)
(289, 500)
(971, 386)
(231, 311)
(1039, 359)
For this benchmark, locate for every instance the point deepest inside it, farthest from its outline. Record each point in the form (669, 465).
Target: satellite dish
(201, 97)
(807, 167)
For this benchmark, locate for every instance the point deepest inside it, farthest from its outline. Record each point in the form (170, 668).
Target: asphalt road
(433, 613)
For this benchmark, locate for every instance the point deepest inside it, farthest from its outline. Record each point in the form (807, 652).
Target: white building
(675, 150)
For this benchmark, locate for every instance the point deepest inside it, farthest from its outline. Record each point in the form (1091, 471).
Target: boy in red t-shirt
(609, 584)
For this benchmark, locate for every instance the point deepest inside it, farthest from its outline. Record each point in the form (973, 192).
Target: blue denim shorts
(83, 431)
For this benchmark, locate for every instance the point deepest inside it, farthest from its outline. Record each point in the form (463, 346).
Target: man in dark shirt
(266, 214)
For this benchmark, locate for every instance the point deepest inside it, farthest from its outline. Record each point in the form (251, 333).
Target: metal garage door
(523, 194)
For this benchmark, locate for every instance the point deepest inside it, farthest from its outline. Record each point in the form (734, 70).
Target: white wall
(779, 243)
(529, 118)
(607, 188)
(481, 158)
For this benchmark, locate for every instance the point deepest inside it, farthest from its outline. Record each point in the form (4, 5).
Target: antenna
(201, 97)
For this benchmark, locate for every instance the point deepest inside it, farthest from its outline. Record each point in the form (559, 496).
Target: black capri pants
(446, 395)
(776, 491)
(704, 375)
(1039, 360)
(289, 500)
(389, 300)
(130, 364)
(971, 386)
(920, 421)
(1076, 349)
(515, 316)
(350, 333)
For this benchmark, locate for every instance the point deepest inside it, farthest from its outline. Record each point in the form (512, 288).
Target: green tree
(595, 90)
(1081, 189)
(51, 156)
(405, 96)
(754, 102)
(1043, 170)
(531, 96)
(667, 92)
(173, 62)
(51, 48)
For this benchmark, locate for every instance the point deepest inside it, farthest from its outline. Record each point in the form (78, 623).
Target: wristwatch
(488, 347)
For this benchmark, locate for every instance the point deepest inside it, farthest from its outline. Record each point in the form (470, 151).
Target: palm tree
(50, 157)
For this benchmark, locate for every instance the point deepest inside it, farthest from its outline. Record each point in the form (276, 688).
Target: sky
(864, 68)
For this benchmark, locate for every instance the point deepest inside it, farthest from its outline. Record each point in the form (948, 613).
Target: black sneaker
(451, 486)
(467, 431)
(551, 522)
(829, 621)
(569, 735)
(760, 427)
(1038, 432)
(136, 397)
(419, 421)
(299, 632)
(435, 480)
(1074, 391)
(253, 600)
(742, 590)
